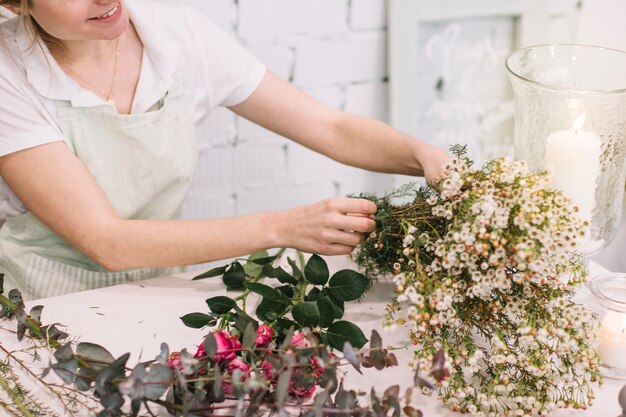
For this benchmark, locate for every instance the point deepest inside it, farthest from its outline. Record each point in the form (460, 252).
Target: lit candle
(573, 155)
(613, 339)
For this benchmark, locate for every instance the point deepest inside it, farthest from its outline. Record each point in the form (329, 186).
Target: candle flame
(579, 122)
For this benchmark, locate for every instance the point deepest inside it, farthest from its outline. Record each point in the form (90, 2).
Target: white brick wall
(334, 50)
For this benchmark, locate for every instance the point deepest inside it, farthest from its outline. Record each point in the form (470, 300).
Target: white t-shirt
(214, 68)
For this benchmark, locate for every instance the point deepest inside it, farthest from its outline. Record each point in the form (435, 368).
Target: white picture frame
(405, 20)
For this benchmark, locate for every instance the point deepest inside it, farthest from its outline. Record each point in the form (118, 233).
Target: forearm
(126, 244)
(370, 144)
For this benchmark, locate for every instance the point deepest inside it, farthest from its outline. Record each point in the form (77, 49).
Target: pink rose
(227, 345)
(299, 340)
(264, 335)
(267, 369)
(234, 364)
(200, 353)
(174, 361)
(301, 392)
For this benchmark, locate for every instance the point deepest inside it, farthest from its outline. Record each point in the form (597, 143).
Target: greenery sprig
(243, 367)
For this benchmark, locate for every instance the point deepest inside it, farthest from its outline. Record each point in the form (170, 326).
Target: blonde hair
(31, 24)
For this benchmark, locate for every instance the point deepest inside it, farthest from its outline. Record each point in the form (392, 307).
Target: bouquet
(485, 270)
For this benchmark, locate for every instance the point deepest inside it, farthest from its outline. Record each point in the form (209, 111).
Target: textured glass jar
(570, 103)
(608, 300)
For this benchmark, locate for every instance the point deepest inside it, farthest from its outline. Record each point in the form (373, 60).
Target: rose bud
(299, 340)
(234, 364)
(264, 335)
(174, 361)
(227, 345)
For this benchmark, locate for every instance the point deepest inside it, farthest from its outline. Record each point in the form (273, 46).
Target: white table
(137, 317)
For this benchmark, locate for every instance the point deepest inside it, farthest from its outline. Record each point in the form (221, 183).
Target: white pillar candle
(613, 339)
(573, 156)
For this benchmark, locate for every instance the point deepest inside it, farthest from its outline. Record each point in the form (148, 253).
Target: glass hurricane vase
(570, 118)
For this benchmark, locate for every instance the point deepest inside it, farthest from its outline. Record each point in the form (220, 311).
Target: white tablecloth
(137, 317)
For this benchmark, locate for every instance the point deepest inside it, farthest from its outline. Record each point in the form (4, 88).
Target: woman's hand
(433, 161)
(330, 227)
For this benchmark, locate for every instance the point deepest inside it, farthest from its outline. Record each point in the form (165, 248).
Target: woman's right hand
(330, 227)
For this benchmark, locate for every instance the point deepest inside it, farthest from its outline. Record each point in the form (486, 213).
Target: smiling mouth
(107, 14)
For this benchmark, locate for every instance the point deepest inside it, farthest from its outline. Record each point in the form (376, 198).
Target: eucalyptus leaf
(220, 304)
(66, 370)
(217, 390)
(347, 285)
(376, 342)
(163, 357)
(135, 407)
(282, 386)
(234, 277)
(157, 380)
(288, 337)
(344, 331)
(316, 270)
(112, 401)
(306, 314)
(64, 353)
(249, 336)
(345, 399)
(350, 356)
(215, 272)
(94, 355)
(210, 345)
(265, 291)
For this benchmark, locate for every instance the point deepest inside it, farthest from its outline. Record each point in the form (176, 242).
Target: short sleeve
(216, 69)
(24, 119)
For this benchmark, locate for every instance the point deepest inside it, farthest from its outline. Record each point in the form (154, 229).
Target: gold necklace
(108, 96)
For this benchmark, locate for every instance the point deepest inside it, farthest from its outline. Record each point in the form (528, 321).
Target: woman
(98, 103)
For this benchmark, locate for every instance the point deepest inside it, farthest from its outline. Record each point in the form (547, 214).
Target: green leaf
(316, 270)
(198, 320)
(297, 274)
(265, 291)
(313, 295)
(242, 320)
(254, 264)
(220, 304)
(235, 276)
(338, 307)
(306, 314)
(215, 272)
(261, 258)
(278, 273)
(269, 310)
(343, 331)
(327, 312)
(347, 285)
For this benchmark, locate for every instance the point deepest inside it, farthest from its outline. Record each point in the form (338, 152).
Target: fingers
(351, 205)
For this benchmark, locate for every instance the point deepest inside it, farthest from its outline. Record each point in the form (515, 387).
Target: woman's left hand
(433, 162)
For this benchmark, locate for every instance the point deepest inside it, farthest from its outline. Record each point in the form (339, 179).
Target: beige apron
(143, 162)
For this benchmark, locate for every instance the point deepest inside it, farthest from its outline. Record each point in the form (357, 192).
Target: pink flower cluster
(228, 347)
